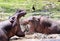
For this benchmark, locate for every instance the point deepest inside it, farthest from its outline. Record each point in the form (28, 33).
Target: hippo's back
(5, 25)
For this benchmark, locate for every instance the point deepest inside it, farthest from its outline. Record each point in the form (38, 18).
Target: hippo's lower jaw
(22, 36)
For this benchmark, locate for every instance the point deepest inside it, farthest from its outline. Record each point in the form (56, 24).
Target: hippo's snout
(20, 34)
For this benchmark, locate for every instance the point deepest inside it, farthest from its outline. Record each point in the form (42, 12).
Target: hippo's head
(20, 13)
(32, 23)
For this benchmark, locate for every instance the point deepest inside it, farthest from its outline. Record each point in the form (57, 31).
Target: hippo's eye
(20, 11)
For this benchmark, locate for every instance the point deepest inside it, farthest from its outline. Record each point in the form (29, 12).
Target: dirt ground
(37, 37)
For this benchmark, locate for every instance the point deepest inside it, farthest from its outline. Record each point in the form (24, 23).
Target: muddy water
(37, 37)
(38, 40)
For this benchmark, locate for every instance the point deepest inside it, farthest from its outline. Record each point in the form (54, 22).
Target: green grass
(10, 6)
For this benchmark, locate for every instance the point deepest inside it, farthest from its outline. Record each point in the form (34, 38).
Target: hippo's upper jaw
(20, 13)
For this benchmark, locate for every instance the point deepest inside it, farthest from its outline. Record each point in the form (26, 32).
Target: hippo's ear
(46, 24)
(12, 19)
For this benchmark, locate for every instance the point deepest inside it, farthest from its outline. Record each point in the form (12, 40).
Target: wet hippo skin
(11, 27)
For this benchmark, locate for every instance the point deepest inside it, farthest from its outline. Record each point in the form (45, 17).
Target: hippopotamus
(32, 24)
(42, 24)
(11, 26)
